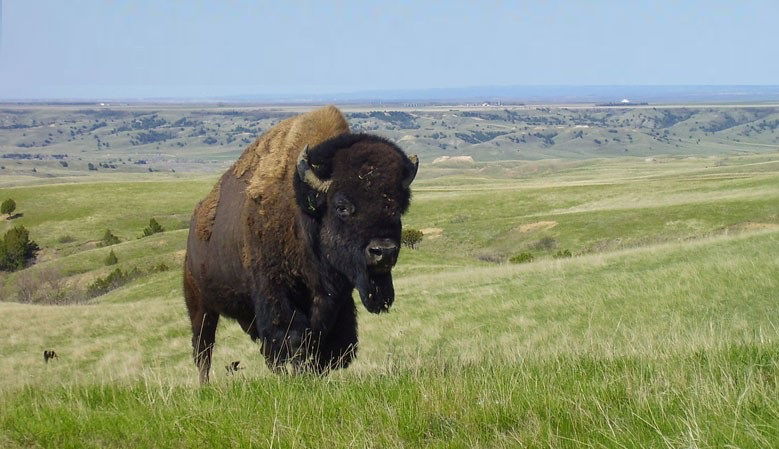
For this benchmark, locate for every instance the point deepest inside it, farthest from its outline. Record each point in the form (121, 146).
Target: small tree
(8, 206)
(111, 259)
(562, 254)
(522, 258)
(108, 239)
(153, 228)
(16, 248)
(410, 237)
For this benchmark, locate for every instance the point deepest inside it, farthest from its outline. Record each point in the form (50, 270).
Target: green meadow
(647, 317)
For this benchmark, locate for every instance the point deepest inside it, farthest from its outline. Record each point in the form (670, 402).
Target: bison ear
(308, 175)
(411, 171)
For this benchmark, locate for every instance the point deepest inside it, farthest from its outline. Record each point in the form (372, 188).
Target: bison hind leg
(204, 325)
(203, 338)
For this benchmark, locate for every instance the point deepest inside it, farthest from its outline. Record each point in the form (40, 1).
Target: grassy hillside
(660, 331)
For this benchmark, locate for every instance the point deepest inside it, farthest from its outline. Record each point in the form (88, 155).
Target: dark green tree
(153, 228)
(562, 254)
(410, 237)
(108, 239)
(8, 206)
(522, 258)
(111, 259)
(16, 249)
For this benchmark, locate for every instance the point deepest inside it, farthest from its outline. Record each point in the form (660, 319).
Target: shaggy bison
(308, 213)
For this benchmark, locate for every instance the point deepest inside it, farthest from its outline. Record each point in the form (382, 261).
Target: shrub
(522, 258)
(45, 286)
(490, 256)
(410, 237)
(114, 280)
(562, 254)
(108, 239)
(545, 244)
(159, 268)
(16, 249)
(153, 228)
(111, 258)
(67, 238)
(26, 287)
(8, 206)
(459, 218)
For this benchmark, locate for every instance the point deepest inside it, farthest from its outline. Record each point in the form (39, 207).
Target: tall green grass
(662, 331)
(724, 397)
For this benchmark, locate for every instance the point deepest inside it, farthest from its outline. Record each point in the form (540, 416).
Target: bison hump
(272, 158)
(206, 214)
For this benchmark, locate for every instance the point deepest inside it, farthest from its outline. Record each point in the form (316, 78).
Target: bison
(308, 213)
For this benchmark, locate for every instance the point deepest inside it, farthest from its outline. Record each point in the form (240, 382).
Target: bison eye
(344, 209)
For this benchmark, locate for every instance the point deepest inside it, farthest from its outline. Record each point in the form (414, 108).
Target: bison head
(354, 188)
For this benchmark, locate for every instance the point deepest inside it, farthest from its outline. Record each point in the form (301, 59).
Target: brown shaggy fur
(272, 157)
(207, 213)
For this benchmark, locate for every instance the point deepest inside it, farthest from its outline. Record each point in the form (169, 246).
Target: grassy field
(661, 330)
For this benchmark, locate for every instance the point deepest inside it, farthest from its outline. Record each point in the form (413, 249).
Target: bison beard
(307, 214)
(374, 286)
(377, 293)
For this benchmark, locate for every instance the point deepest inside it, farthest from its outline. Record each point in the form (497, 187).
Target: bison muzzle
(307, 214)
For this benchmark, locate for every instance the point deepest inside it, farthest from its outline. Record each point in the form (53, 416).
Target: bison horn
(412, 173)
(307, 174)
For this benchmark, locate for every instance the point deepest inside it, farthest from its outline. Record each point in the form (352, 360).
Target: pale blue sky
(123, 49)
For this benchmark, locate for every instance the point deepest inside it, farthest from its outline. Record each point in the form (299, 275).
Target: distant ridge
(545, 94)
(550, 94)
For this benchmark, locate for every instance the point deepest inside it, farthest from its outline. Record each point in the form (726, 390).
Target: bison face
(360, 196)
(360, 238)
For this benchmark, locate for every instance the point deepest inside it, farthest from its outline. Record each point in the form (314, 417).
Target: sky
(54, 49)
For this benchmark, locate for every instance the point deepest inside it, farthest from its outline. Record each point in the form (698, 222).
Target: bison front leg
(324, 312)
(338, 348)
(283, 331)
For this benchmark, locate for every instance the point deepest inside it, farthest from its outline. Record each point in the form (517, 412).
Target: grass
(664, 336)
(85, 210)
(725, 396)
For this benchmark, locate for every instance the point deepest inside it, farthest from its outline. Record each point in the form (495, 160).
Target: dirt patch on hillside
(45, 255)
(752, 226)
(454, 160)
(90, 244)
(432, 233)
(537, 226)
(178, 256)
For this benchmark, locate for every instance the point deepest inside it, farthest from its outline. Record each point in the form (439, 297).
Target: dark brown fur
(278, 256)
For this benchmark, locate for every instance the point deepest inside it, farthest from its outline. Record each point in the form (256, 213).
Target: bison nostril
(376, 251)
(381, 253)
